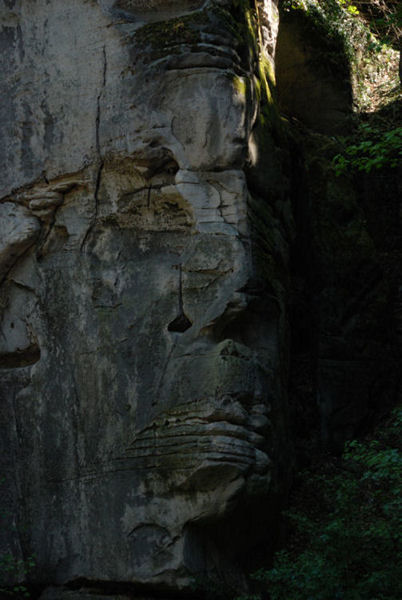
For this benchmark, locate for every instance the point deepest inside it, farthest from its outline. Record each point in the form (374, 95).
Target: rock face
(143, 256)
(313, 75)
(174, 263)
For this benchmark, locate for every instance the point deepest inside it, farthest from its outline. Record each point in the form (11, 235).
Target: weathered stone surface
(156, 220)
(83, 593)
(144, 328)
(18, 231)
(313, 74)
(54, 593)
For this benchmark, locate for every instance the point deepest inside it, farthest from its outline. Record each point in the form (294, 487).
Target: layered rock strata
(144, 240)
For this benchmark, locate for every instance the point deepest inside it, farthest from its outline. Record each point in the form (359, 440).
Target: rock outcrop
(145, 223)
(190, 301)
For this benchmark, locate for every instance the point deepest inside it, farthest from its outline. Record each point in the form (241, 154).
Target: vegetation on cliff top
(368, 32)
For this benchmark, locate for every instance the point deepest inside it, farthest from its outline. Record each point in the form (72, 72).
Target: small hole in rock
(180, 324)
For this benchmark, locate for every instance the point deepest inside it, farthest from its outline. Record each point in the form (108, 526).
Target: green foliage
(333, 5)
(372, 149)
(366, 39)
(348, 527)
(384, 18)
(11, 568)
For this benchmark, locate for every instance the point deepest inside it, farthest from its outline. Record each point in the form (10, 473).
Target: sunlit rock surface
(144, 221)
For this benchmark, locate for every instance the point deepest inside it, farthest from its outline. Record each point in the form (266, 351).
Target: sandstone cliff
(182, 279)
(143, 322)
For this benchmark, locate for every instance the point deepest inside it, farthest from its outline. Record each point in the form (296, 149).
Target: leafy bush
(11, 567)
(348, 527)
(372, 150)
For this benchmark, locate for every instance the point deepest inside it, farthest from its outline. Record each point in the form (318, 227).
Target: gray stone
(139, 356)
(18, 231)
(54, 593)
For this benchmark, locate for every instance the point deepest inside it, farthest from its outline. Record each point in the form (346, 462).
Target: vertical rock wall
(145, 221)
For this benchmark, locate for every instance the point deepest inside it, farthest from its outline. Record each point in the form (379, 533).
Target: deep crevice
(99, 152)
(21, 358)
(181, 323)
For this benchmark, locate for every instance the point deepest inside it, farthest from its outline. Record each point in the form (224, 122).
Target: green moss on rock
(173, 32)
